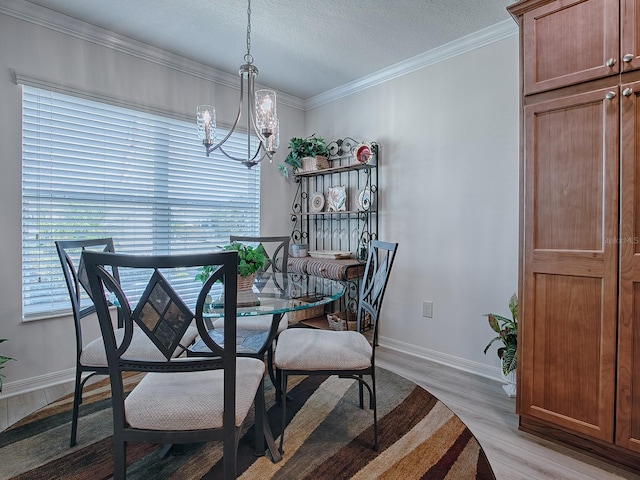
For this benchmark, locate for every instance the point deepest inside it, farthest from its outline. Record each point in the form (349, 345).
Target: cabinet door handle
(628, 57)
(627, 92)
(610, 63)
(610, 95)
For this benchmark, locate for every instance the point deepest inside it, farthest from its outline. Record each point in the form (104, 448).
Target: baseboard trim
(458, 363)
(19, 387)
(11, 389)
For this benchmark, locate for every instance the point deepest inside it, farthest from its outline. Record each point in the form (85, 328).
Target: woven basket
(311, 164)
(246, 283)
(304, 314)
(338, 322)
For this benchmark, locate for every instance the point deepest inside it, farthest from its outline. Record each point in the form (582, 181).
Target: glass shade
(273, 141)
(266, 115)
(206, 121)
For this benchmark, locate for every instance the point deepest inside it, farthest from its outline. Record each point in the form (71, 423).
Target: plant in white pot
(311, 151)
(507, 330)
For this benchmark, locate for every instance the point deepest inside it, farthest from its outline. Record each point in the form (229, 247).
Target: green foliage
(3, 360)
(300, 148)
(250, 260)
(507, 330)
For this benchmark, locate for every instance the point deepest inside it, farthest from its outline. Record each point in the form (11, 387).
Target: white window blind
(92, 169)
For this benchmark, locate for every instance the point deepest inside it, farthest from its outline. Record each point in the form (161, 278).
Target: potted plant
(3, 360)
(507, 330)
(299, 148)
(250, 261)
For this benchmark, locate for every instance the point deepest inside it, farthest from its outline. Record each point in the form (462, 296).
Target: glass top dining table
(272, 294)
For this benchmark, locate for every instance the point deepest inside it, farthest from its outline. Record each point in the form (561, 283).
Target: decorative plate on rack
(364, 198)
(316, 203)
(363, 153)
(337, 199)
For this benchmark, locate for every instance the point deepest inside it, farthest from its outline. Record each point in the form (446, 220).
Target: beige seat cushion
(93, 355)
(258, 322)
(191, 400)
(313, 349)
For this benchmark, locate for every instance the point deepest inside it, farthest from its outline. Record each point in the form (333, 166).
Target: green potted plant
(299, 148)
(507, 330)
(250, 261)
(3, 360)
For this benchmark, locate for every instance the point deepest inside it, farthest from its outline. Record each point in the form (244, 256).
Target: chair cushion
(93, 355)
(191, 400)
(259, 322)
(314, 349)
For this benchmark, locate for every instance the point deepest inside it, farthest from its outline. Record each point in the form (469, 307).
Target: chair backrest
(374, 283)
(75, 275)
(277, 249)
(161, 296)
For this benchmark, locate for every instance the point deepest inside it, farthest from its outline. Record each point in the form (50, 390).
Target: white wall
(448, 136)
(449, 183)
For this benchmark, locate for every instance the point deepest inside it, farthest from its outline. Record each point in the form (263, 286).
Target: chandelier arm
(249, 159)
(251, 111)
(235, 123)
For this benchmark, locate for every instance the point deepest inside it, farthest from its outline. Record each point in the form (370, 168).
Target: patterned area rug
(327, 437)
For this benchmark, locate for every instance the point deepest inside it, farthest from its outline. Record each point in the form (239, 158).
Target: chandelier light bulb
(206, 121)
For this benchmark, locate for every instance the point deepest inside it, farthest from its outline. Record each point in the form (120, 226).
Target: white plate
(364, 198)
(316, 203)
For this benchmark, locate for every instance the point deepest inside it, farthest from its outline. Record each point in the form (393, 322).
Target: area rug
(327, 437)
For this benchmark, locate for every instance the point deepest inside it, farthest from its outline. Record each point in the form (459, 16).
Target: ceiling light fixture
(262, 119)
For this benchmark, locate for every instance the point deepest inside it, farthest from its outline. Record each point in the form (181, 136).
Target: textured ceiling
(301, 47)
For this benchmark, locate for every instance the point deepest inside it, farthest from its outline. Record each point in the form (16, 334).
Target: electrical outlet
(427, 309)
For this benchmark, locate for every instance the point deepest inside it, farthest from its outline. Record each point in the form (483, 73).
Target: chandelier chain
(248, 57)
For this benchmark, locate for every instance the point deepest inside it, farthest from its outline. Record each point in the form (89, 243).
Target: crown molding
(52, 20)
(55, 21)
(481, 38)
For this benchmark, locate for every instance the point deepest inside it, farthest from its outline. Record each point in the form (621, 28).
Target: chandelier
(261, 117)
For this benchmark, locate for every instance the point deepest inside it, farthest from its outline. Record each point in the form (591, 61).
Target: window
(92, 169)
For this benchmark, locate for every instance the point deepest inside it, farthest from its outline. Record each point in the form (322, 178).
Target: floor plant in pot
(3, 360)
(507, 330)
(310, 147)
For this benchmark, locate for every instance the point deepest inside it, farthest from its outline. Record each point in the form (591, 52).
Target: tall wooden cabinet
(579, 344)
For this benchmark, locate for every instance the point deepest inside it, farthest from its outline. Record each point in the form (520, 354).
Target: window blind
(92, 169)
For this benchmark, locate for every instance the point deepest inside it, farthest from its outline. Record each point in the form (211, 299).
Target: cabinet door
(568, 313)
(630, 35)
(628, 398)
(569, 41)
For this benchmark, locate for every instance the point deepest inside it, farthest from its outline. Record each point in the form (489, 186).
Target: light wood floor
(480, 403)
(490, 415)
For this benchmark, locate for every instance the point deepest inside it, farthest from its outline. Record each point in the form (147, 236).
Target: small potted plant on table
(305, 154)
(250, 261)
(507, 330)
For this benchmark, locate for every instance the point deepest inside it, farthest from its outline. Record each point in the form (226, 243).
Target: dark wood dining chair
(348, 354)
(91, 358)
(179, 400)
